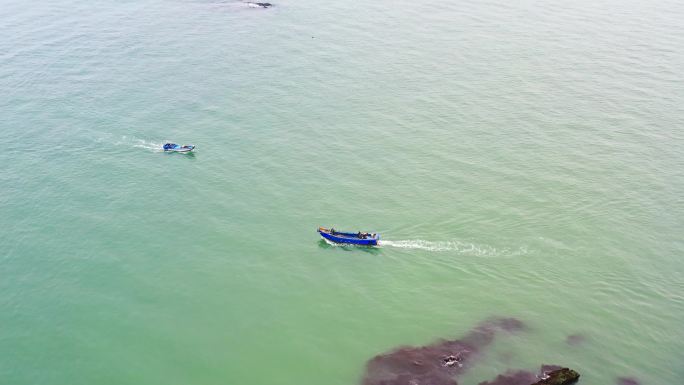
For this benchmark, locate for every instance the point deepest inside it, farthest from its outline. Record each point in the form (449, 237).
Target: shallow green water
(520, 160)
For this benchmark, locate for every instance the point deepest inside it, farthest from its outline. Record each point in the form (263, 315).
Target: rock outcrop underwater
(441, 363)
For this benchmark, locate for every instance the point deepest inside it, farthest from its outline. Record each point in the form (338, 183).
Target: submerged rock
(519, 377)
(627, 381)
(438, 363)
(575, 339)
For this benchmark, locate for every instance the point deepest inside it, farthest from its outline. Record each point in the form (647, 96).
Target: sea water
(519, 159)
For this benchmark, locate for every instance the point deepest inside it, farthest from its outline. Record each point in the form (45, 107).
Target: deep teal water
(519, 159)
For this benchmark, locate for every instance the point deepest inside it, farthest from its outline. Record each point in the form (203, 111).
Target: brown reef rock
(438, 363)
(441, 362)
(563, 376)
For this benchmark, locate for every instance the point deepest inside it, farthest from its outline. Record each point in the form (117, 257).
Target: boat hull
(184, 149)
(172, 147)
(349, 239)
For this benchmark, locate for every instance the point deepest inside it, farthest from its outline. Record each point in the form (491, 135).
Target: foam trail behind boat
(148, 145)
(128, 141)
(453, 246)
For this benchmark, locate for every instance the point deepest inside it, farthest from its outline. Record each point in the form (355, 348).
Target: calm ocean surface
(520, 159)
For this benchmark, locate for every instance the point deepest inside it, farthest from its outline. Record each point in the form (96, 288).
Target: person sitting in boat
(332, 231)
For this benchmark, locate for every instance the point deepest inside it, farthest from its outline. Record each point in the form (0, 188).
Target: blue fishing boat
(173, 147)
(360, 238)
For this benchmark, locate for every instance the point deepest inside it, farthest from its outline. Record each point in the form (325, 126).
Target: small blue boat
(173, 147)
(360, 238)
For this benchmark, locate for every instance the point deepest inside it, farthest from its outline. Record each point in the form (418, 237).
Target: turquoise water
(519, 159)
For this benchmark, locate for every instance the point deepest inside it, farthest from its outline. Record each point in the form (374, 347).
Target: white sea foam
(128, 141)
(454, 246)
(148, 145)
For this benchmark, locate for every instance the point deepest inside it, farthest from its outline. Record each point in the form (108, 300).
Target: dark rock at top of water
(435, 364)
(575, 339)
(562, 376)
(627, 381)
(548, 375)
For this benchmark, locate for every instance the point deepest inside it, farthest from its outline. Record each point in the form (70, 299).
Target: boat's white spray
(148, 145)
(129, 141)
(453, 246)
(458, 247)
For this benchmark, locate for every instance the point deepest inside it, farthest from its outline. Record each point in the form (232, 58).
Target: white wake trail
(129, 141)
(453, 246)
(146, 144)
